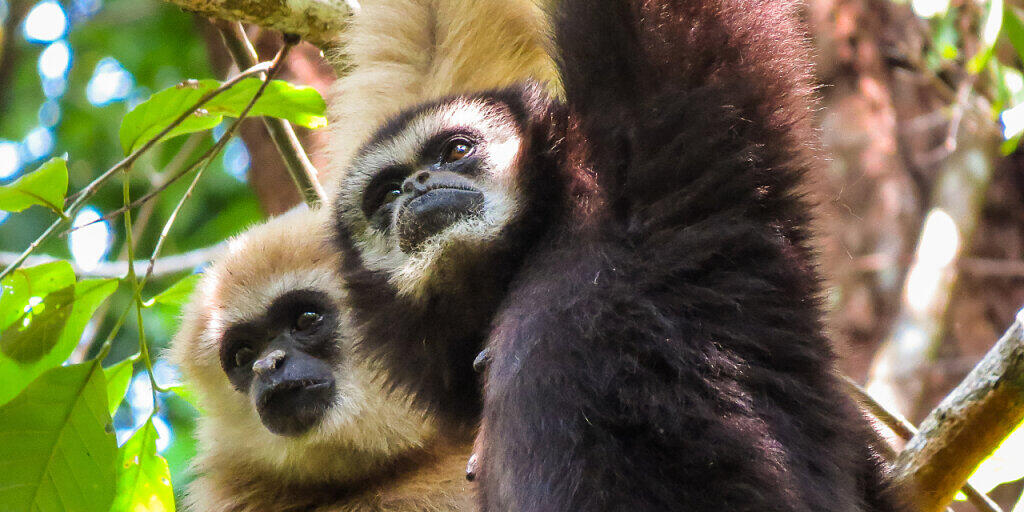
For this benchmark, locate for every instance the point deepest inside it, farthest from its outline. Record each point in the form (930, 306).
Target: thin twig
(281, 133)
(86, 193)
(206, 159)
(137, 291)
(165, 266)
(903, 428)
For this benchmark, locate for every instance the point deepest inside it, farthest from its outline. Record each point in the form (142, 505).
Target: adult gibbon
(636, 259)
(405, 52)
(294, 419)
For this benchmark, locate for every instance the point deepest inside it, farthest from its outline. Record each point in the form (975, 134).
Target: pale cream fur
(406, 52)
(366, 431)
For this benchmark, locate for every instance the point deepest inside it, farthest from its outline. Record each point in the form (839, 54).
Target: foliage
(58, 420)
(57, 449)
(45, 187)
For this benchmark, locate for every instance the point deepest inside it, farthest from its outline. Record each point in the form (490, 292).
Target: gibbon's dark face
(436, 184)
(284, 360)
(266, 342)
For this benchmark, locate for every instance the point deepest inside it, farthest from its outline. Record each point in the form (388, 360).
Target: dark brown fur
(656, 340)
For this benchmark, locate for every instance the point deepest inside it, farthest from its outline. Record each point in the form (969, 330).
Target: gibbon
(637, 261)
(405, 52)
(294, 419)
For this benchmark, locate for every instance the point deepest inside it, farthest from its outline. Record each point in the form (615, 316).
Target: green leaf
(1009, 146)
(177, 294)
(118, 377)
(18, 289)
(945, 37)
(57, 448)
(989, 35)
(45, 186)
(143, 478)
(300, 105)
(34, 335)
(1014, 30)
(17, 373)
(186, 393)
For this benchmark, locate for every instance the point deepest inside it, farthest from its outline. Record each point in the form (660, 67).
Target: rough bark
(316, 21)
(968, 425)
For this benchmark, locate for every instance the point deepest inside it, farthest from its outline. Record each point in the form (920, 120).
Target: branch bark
(968, 425)
(903, 428)
(316, 21)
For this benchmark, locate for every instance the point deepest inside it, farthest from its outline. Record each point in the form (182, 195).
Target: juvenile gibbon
(635, 258)
(294, 418)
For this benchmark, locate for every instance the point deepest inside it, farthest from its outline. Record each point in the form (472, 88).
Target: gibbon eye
(393, 191)
(244, 357)
(307, 320)
(456, 149)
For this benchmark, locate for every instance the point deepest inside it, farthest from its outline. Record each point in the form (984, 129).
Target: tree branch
(316, 21)
(165, 266)
(281, 133)
(903, 428)
(968, 425)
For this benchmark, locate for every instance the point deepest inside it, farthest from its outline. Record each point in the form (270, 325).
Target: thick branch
(968, 425)
(903, 428)
(316, 21)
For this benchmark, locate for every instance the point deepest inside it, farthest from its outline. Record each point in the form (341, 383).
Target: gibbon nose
(417, 184)
(268, 363)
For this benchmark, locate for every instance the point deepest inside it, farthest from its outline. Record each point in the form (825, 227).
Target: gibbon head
(264, 342)
(438, 186)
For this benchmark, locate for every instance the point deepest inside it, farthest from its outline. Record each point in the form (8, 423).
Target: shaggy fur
(373, 451)
(652, 306)
(405, 52)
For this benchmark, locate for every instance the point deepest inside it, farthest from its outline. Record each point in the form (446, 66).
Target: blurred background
(920, 191)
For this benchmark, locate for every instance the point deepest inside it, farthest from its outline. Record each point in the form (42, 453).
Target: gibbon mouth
(433, 211)
(292, 408)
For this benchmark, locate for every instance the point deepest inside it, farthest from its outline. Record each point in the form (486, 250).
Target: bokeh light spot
(10, 159)
(49, 113)
(46, 22)
(38, 143)
(110, 82)
(55, 60)
(236, 159)
(89, 244)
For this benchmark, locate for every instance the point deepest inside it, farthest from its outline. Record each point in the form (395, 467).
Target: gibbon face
(265, 343)
(435, 187)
